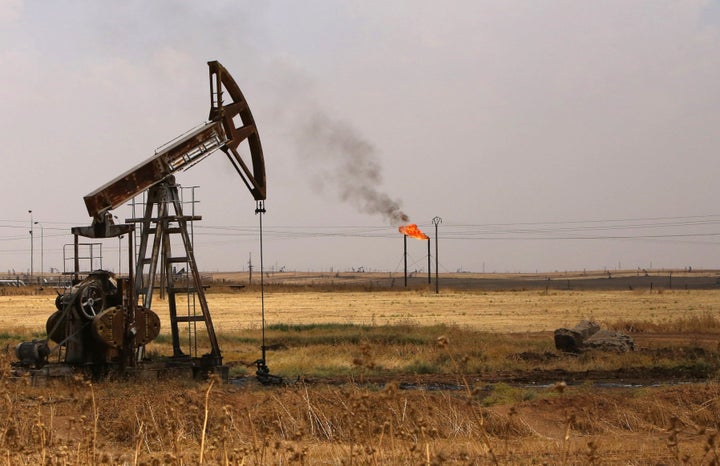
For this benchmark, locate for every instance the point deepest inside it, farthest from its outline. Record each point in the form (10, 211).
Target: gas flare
(412, 230)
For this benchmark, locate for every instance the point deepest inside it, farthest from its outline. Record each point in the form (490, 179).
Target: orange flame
(412, 230)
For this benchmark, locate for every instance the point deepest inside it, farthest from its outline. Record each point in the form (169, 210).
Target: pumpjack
(104, 322)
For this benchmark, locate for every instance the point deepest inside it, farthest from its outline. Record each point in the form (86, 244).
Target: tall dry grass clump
(356, 415)
(187, 422)
(703, 322)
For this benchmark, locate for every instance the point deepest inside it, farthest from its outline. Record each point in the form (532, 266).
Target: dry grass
(500, 312)
(367, 337)
(185, 422)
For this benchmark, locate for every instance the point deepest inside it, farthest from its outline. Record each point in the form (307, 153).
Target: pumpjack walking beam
(230, 124)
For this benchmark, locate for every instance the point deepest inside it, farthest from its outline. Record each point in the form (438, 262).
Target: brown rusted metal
(230, 124)
(91, 322)
(164, 217)
(110, 327)
(177, 155)
(99, 321)
(221, 84)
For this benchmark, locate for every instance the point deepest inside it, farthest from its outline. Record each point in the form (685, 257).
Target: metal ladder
(163, 218)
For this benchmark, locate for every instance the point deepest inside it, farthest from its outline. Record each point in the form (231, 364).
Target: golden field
(502, 312)
(391, 376)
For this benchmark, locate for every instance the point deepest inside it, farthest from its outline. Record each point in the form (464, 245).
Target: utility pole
(42, 250)
(436, 221)
(31, 244)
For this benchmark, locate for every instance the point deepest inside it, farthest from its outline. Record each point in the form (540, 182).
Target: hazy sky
(553, 135)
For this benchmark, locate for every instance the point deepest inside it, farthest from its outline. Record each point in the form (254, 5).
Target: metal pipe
(132, 299)
(405, 257)
(429, 271)
(76, 260)
(131, 265)
(42, 251)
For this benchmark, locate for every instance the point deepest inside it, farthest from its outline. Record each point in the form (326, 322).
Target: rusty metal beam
(177, 155)
(231, 123)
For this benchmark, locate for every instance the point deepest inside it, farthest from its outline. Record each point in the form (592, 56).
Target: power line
(660, 228)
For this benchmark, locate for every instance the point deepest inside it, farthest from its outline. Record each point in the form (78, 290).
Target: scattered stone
(588, 335)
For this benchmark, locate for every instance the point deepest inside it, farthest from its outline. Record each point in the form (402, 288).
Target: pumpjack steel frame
(163, 217)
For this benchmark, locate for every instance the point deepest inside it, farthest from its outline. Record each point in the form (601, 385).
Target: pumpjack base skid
(160, 369)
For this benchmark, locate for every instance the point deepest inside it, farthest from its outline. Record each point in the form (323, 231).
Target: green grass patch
(339, 333)
(423, 367)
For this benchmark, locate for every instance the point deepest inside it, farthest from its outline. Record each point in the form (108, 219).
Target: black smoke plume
(349, 163)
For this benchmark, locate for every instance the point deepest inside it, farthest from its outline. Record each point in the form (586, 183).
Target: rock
(567, 340)
(588, 335)
(607, 340)
(571, 340)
